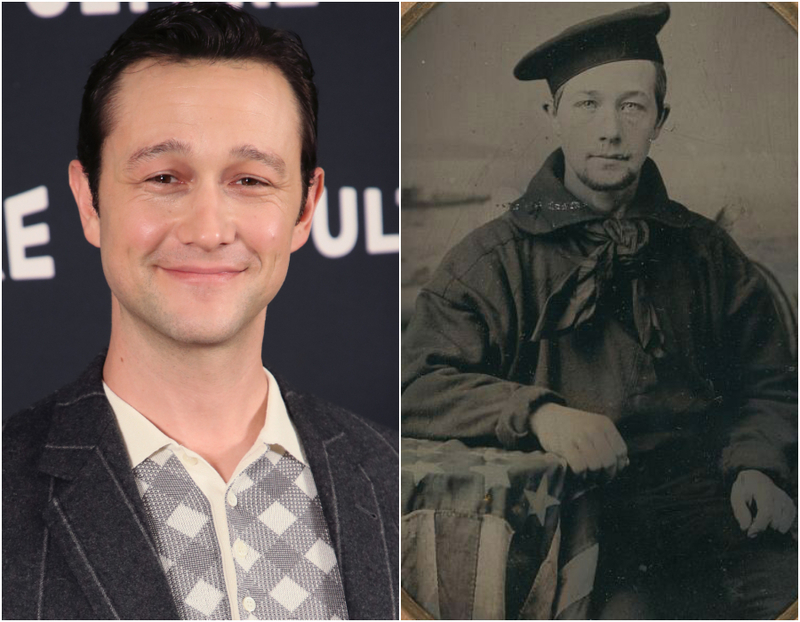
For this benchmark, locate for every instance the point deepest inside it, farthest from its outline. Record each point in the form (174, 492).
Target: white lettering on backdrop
(376, 242)
(19, 237)
(54, 9)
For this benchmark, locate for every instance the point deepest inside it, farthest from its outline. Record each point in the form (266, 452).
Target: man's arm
(763, 432)
(466, 358)
(463, 349)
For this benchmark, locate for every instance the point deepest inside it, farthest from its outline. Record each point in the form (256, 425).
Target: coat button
(249, 604)
(232, 500)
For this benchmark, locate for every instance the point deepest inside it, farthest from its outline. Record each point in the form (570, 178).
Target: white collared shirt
(143, 439)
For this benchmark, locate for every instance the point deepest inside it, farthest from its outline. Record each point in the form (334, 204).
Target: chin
(205, 330)
(196, 336)
(608, 182)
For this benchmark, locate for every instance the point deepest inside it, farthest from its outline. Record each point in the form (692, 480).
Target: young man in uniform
(601, 321)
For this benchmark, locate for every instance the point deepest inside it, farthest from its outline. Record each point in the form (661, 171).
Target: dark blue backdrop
(332, 330)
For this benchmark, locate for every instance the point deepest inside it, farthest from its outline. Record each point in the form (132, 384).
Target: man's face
(200, 191)
(606, 119)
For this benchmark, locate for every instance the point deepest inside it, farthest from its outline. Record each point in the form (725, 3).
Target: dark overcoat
(657, 321)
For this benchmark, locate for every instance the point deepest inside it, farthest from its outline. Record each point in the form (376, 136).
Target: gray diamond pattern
(284, 582)
(180, 519)
(279, 540)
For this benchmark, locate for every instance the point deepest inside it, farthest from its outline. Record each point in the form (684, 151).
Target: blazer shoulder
(27, 430)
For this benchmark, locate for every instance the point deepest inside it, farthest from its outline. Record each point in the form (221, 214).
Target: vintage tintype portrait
(599, 350)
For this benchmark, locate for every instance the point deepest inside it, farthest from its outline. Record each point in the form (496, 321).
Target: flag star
(421, 468)
(541, 500)
(493, 475)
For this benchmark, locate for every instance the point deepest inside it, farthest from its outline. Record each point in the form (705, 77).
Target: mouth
(619, 157)
(203, 274)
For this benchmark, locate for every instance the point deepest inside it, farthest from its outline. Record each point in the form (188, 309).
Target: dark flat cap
(625, 35)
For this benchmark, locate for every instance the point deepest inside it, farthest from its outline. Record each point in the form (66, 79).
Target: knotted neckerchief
(618, 254)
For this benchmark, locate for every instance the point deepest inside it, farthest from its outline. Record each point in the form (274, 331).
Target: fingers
(616, 442)
(575, 460)
(739, 505)
(594, 453)
(618, 446)
(606, 455)
(765, 512)
(784, 517)
(593, 457)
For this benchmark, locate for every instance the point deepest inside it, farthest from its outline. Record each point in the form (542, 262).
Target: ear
(302, 227)
(660, 123)
(90, 219)
(552, 116)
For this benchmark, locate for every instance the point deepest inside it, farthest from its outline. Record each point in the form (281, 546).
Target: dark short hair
(660, 90)
(201, 31)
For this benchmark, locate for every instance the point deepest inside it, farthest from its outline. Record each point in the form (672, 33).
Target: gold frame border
(411, 13)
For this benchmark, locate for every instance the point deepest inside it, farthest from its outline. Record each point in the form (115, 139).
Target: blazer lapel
(94, 513)
(362, 518)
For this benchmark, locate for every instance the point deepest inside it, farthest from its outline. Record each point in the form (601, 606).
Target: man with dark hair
(602, 322)
(177, 478)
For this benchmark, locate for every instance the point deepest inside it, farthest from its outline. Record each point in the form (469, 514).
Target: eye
(163, 178)
(586, 104)
(632, 107)
(250, 181)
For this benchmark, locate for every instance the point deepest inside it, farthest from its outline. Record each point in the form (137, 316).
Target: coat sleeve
(762, 434)
(463, 365)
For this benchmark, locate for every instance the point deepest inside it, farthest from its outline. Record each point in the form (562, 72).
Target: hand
(773, 507)
(587, 441)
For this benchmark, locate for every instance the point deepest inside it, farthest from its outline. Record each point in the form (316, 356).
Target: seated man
(599, 320)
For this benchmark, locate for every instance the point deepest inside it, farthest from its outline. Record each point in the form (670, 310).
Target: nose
(207, 221)
(609, 125)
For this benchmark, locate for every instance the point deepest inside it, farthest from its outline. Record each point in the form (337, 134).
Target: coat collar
(548, 206)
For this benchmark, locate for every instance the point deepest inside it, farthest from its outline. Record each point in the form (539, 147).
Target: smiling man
(177, 478)
(600, 321)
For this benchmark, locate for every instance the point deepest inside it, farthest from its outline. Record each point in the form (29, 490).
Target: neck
(612, 203)
(209, 398)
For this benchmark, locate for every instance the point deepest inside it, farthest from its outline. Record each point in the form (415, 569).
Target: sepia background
(473, 135)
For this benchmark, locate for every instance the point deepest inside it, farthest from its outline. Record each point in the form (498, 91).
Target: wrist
(539, 415)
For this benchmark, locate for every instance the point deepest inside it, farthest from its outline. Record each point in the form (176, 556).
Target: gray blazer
(75, 538)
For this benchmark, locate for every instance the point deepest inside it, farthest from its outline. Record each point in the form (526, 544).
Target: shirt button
(249, 604)
(232, 500)
(240, 548)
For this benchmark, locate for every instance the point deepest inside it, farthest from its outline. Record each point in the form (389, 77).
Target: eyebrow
(267, 158)
(173, 145)
(597, 93)
(151, 152)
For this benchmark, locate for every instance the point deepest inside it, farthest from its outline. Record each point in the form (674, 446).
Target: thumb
(739, 505)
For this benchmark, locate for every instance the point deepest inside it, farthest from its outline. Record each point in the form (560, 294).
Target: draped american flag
(495, 534)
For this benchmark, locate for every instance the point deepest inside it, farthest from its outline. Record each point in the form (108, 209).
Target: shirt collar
(142, 438)
(548, 206)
